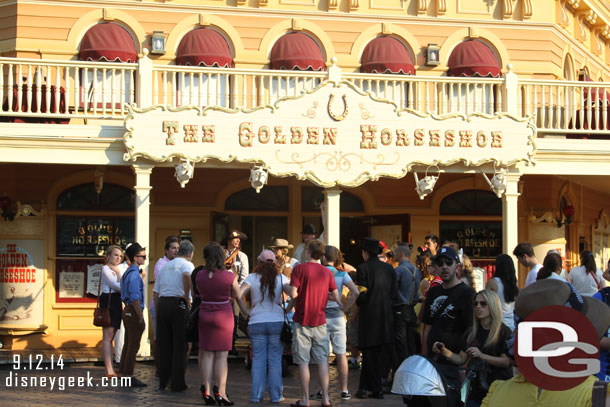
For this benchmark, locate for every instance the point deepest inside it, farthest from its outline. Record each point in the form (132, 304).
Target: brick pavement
(238, 388)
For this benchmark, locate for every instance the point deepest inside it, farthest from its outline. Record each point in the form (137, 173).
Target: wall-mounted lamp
(425, 186)
(498, 182)
(433, 55)
(567, 216)
(186, 234)
(184, 172)
(258, 177)
(158, 43)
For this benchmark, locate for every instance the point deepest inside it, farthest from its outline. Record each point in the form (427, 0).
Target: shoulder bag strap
(598, 398)
(99, 290)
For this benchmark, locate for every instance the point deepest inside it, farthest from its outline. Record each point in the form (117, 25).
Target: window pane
(472, 202)
(269, 199)
(83, 197)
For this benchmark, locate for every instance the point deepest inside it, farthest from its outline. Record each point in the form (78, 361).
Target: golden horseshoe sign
(345, 108)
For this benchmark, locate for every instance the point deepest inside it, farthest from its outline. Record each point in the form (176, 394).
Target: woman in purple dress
(216, 287)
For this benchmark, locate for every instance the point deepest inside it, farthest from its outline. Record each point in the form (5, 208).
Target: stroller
(423, 383)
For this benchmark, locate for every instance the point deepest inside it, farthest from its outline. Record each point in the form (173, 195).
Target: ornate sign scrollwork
(343, 115)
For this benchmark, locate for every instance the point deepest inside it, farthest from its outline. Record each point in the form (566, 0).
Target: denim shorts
(337, 335)
(309, 344)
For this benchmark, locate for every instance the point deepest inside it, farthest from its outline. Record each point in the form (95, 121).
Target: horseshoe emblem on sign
(345, 108)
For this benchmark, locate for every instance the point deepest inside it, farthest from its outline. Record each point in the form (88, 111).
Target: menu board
(479, 240)
(71, 284)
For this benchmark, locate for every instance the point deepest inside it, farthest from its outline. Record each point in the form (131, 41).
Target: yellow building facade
(503, 104)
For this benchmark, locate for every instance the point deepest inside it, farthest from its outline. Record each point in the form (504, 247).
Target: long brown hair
(214, 256)
(269, 272)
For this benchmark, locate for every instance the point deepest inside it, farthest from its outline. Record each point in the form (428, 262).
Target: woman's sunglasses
(481, 303)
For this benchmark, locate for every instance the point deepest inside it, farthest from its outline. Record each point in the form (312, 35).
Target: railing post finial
(511, 91)
(145, 78)
(334, 72)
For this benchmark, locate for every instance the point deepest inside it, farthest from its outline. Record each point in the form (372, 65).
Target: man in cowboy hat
(309, 234)
(376, 325)
(280, 248)
(239, 264)
(518, 391)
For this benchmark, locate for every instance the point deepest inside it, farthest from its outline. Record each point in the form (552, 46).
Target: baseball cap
(448, 252)
(266, 256)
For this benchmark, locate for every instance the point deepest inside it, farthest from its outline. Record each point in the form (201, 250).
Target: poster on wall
(71, 284)
(94, 273)
(21, 283)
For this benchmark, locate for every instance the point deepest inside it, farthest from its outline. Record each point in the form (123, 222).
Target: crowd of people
(381, 312)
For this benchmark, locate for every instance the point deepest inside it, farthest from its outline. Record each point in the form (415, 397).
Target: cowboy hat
(556, 292)
(280, 244)
(236, 233)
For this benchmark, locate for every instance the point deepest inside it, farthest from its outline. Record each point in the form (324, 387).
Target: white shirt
(263, 310)
(531, 276)
(109, 281)
(241, 267)
(584, 282)
(169, 283)
(508, 308)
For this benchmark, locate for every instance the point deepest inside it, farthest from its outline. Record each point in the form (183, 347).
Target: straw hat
(280, 244)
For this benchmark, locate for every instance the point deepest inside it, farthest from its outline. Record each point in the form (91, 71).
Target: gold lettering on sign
(481, 139)
(465, 138)
(368, 136)
(209, 134)
(170, 128)
(386, 137)
(330, 136)
(297, 135)
(245, 134)
(402, 138)
(496, 139)
(279, 137)
(435, 138)
(418, 137)
(264, 134)
(190, 133)
(313, 135)
(449, 138)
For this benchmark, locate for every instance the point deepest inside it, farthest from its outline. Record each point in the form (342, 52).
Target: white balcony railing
(52, 91)
(566, 107)
(228, 87)
(31, 88)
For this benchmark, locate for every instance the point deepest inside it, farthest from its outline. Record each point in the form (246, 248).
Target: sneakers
(345, 395)
(317, 396)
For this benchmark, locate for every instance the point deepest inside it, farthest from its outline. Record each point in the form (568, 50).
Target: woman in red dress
(216, 287)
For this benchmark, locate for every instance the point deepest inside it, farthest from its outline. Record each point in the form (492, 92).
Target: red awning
(473, 58)
(386, 55)
(109, 42)
(601, 92)
(204, 46)
(296, 51)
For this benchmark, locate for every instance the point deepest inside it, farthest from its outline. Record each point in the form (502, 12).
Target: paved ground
(238, 388)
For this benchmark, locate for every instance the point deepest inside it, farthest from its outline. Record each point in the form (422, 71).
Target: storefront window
(269, 199)
(472, 202)
(82, 239)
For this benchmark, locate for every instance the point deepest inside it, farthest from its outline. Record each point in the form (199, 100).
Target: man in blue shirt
(132, 295)
(408, 277)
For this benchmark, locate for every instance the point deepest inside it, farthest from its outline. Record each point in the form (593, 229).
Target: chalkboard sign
(480, 240)
(90, 236)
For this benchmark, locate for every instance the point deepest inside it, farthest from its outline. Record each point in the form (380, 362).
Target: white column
(510, 215)
(332, 217)
(143, 189)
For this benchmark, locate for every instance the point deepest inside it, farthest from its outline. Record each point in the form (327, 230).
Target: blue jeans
(267, 352)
